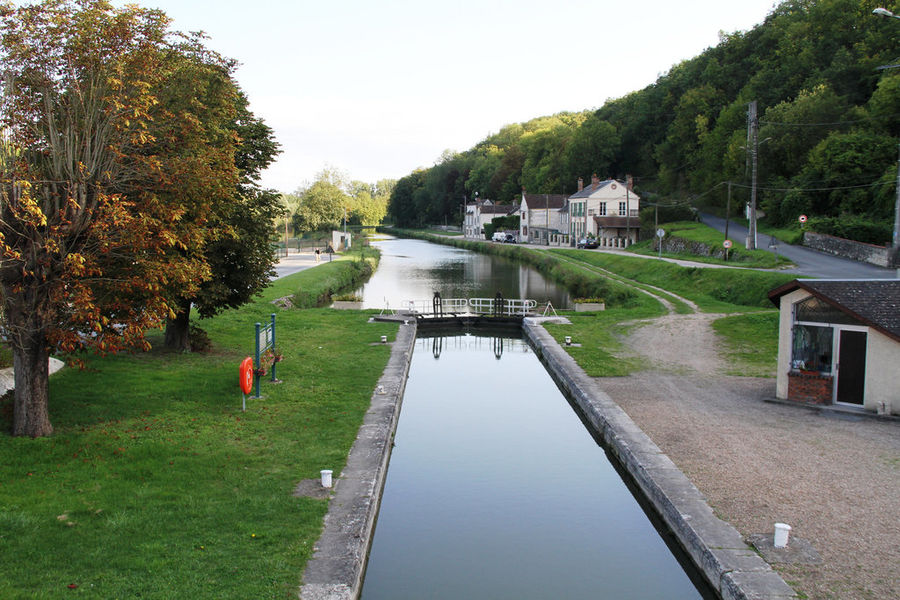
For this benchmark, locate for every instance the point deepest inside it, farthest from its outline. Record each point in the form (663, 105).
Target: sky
(379, 88)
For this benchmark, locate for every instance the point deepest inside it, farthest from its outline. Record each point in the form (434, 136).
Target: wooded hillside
(829, 120)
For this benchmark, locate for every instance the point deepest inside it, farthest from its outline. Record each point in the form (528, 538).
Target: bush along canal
(496, 490)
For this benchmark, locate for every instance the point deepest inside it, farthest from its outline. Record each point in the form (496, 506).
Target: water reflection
(496, 490)
(415, 269)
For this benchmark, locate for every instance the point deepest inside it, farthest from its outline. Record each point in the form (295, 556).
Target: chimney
(594, 179)
(580, 184)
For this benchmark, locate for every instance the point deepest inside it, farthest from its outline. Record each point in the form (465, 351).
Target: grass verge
(714, 290)
(156, 485)
(702, 243)
(599, 350)
(751, 343)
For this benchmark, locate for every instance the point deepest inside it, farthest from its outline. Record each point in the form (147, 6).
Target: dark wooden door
(851, 367)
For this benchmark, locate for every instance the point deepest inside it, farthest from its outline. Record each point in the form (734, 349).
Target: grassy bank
(751, 343)
(156, 485)
(702, 243)
(345, 274)
(714, 290)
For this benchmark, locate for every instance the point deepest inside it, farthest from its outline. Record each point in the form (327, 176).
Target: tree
(321, 207)
(238, 252)
(86, 232)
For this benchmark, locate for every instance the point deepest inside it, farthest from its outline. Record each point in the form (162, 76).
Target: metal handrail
(481, 306)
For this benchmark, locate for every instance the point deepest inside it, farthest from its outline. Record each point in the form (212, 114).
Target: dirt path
(834, 479)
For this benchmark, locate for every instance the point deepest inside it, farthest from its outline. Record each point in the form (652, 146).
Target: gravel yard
(834, 478)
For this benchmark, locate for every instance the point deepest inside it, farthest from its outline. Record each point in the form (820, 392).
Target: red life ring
(245, 372)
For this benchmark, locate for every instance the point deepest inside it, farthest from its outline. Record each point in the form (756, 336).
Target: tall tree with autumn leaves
(111, 189)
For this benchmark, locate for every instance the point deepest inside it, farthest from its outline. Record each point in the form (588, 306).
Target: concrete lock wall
(335, 571)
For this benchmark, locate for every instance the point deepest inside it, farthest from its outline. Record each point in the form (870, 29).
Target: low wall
(335, 571)
(859, 251)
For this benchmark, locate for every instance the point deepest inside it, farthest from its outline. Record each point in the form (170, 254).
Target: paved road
(809, 262)
(295, 261)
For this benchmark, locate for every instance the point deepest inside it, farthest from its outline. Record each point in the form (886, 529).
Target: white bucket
(326, 478)
(782, 531)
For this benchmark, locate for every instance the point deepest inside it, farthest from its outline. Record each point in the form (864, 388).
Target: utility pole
(627, 211)
(727, 216)
(753, 123)
(895, 246)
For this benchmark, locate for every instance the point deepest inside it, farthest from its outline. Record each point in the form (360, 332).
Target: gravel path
(834, 478)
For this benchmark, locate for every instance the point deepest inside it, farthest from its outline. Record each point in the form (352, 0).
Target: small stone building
(839, 343)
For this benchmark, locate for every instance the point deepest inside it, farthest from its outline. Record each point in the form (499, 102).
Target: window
(812, 348)
(621, 209)
(603, 209)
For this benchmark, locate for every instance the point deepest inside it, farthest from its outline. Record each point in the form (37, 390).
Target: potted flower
(347, 302)
(589, 304)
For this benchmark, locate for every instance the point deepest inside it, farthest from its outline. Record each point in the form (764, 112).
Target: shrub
(855, 228)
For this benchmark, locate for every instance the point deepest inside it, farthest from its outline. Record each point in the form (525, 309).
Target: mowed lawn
(156, 485)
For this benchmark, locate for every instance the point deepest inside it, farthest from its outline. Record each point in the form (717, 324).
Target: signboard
(727, 243)
(660, 233)
(803, 218)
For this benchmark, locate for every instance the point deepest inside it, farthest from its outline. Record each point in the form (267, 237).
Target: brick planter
(810, 388)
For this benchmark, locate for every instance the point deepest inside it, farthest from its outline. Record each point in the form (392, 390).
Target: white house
(606, 210)
(544, 219)
(839, 343)
(479, 213)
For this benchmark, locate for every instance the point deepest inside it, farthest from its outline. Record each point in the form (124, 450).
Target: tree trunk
(178, 330)
(32, 372)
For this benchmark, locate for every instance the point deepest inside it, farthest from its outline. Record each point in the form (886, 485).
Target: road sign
(660, 233)
(727, 243)
(803, 218)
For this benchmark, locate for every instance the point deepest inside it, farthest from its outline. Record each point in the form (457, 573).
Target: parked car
(587, 243)
(498, 236)
(510, 239)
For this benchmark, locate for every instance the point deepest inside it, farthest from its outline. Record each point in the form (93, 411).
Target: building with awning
(606, 210)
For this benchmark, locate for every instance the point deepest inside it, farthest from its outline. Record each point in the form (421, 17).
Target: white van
(498, 236)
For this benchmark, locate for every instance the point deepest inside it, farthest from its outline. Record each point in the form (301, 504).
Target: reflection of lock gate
(481, 306)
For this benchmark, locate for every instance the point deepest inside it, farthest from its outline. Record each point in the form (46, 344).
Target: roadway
(810, 263)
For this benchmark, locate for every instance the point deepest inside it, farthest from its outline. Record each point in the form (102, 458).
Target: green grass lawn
(698, 232)
(751, 343)
(600, 351)
(714, 290)
(156, 485)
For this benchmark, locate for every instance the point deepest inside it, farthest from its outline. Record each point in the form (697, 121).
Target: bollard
(326, 478)
(782, 531)
(568, 340)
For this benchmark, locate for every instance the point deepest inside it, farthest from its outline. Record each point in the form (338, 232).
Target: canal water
(414, 270)
(495, 489)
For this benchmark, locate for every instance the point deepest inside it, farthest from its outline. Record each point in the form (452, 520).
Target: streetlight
(883, 12)
(895, 240)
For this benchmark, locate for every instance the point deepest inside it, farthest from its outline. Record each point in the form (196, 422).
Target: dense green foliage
(829, 122)
(508, 222)
(332, 199)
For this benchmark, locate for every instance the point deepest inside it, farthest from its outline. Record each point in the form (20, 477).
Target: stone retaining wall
(859, 251)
